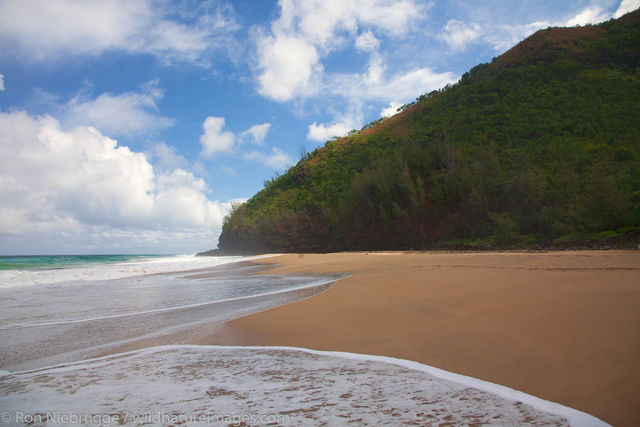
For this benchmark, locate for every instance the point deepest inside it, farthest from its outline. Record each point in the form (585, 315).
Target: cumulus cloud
(625, 7)
(289, 57)
(458, 34)
(367, 42)
(406, 85)
(69, 182)
(375, 84)
(505, 36)
(322, 132)
(214, 140)
(290, 60)
(391, 110)
(277, 159)
(1, 82)
(44, 30)
(590, 15)
(289, 68)
(340, 126)
(180, 199)
(166, 156)
(257, 133)
(130, 113)
(321, 21)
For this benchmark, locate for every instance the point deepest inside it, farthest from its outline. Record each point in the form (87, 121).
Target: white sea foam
(258, 385)
(67, 321)
(80, 301)
(18, 278)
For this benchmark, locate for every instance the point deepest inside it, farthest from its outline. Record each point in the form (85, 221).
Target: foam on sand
(259, 385)
(43, 325)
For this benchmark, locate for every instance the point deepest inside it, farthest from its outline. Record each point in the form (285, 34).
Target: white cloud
(590, 15)
(504, 37)
(376, 85)
(367, 42)
(180, 199)
(406, 86)
(1, 82)
(257, 132)
(80, 183)
(44, 30)
(214, 139)
(341, 125)
(625, 7)
(321, 132)
(391, 110)
(458, 34)
(277, 159)
(130, 113)
(287, 66)
(375, 71)
(321, 21)
(167, 157)
(289, 58)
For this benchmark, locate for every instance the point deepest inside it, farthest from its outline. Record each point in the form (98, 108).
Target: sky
(133, 126)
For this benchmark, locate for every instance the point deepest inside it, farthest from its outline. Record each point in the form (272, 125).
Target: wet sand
(563, 326)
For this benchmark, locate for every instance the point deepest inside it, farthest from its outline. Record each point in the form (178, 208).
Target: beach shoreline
(562, 326)
(44, 324)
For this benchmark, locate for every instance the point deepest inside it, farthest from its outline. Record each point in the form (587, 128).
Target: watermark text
(66, 418)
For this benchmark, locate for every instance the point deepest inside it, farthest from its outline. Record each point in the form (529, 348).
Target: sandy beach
(563, 326)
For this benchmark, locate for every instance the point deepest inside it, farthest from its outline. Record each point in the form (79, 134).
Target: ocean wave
(52, 273)
(258, 385)
(44, 324)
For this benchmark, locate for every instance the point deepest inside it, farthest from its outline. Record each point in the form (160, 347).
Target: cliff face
(540, 145)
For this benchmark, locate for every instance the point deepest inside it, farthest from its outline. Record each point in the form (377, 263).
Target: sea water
(16, 271)
(64, 309)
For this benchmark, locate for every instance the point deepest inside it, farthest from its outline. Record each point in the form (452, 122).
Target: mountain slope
(541, 143)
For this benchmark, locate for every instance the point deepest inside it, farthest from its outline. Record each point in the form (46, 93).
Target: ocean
(56, 309)
(99, 340)
(32, 262)
(16, 271)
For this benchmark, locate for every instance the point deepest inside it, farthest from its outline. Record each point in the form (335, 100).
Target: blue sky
(132, 126)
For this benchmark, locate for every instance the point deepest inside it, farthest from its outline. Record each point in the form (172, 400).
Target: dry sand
(563, 326)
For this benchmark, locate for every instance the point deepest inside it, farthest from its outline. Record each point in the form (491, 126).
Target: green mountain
(541, 146)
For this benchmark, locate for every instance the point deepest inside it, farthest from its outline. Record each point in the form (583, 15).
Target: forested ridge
(539, 147)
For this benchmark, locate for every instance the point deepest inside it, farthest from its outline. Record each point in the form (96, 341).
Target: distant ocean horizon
(26, 270)
(19, 262)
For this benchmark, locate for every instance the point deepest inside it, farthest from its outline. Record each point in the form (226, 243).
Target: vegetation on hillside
(540, 145)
